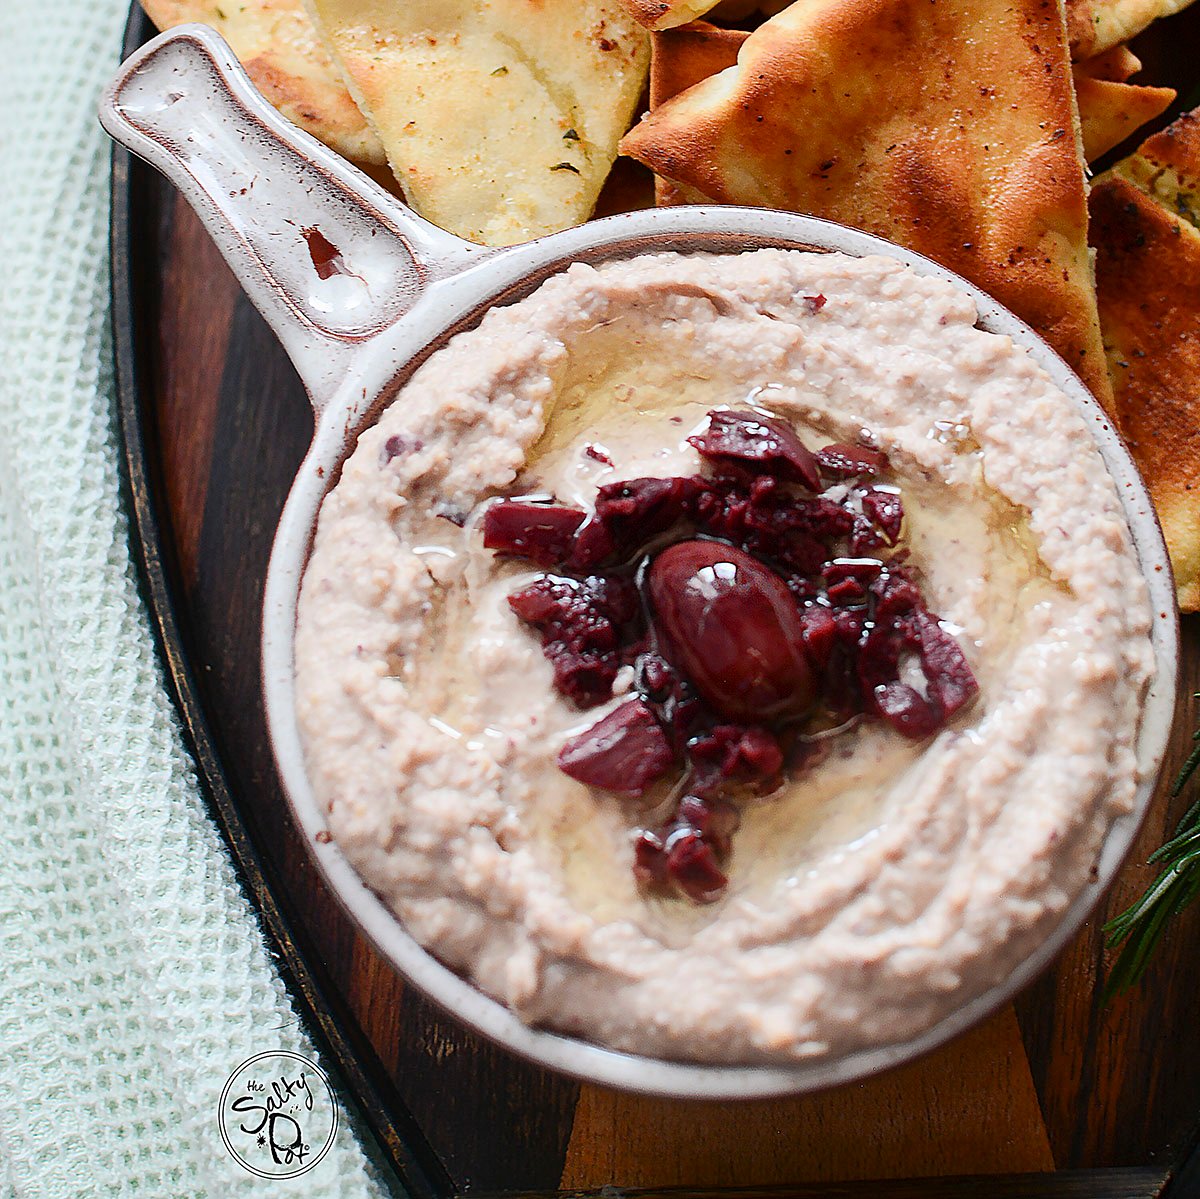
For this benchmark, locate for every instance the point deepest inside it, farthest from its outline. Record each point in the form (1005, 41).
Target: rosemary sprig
(1139, 929)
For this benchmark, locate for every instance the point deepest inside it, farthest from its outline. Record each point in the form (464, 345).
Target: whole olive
(729, 623)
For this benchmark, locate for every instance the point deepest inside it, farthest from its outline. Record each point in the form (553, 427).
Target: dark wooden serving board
(215, 423)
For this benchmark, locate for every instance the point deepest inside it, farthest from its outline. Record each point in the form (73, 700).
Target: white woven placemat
(133, 975)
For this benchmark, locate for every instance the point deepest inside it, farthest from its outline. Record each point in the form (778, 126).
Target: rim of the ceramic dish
(448, 308)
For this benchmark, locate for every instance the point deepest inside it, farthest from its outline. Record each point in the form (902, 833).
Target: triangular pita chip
(1110, 112)
(1094, 26)
(1148, 280)
(1167, 165)
(500, 117)
(667, 14)
(276, 42)
(948, 127)
(679, 59)
(1117, 65)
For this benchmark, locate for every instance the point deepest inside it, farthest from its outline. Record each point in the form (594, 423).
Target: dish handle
(326, 255)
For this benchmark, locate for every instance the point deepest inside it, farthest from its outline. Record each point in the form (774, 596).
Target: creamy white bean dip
(870, 897)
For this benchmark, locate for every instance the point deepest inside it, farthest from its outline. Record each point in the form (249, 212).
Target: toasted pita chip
(276, 42)
(500, 117)
(1117, 65)
(1148, 280)
(666, 14)
(1094, 26)
(1110, 112)
(1167, 166)
(949, 128)
(730, 12)
(679, 59)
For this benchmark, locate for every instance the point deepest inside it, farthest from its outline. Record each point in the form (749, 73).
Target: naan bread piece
(1117, 65)
(949, 128)
(1167, 165)
(1148, 280)
(500, 118)
(1094, 26)
(276, 42)
(1109, 112)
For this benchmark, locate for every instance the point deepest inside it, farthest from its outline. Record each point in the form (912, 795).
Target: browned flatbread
(1148, 280)
(1095, 26)
(949, 128)
(1109, 112)
(276, 42)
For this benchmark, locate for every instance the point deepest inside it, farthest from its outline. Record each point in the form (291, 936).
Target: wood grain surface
(1054, 1082)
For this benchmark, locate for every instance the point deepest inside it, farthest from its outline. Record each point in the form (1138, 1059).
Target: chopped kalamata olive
(906, 710)
(628, 514)
(886, 510)
(692, 866)
(543, 533)
(903, 625)
(649, 858)
(840, 688)
(764, 519)
(731, 626)
(624, 751)
(768, 602)
(847, 592)
(879, 652)
(655, 678)
(896, 594)
(594, 544)
(580, 623)
(644, 506)
(863, 571)
(820, 633)
(683, 854)
(949, 679)
(865, 538)
(759, 443)
(843, 461)
(733, 753)
(714, 820)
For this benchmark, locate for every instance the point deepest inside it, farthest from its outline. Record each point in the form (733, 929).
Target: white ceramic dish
(278, 204)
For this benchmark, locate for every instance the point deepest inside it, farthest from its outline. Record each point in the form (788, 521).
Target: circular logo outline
(237, 1157)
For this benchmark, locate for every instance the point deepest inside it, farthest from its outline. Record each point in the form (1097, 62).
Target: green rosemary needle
(1139, 929)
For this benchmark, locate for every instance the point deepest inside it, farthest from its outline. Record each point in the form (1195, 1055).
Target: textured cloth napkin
(133, 973)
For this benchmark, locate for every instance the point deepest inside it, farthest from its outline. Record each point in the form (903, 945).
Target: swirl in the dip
(872, 886)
